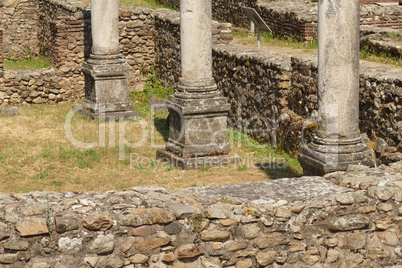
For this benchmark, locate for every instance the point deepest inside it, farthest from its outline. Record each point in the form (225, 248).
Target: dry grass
(36, 155)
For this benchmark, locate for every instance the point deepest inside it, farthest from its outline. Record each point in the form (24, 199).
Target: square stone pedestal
(107, 89)
(197, 133)
(322, 157)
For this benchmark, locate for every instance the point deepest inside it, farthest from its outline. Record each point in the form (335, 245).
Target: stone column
(337, 143)
(106, 71)
(197, 111)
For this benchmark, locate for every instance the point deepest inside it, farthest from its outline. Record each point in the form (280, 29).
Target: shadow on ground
(277, 170)
(162, 126)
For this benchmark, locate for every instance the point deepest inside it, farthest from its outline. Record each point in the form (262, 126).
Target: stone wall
(297, 19)
(1, 53)
(278, 93)
(19, 19)
(298, 222)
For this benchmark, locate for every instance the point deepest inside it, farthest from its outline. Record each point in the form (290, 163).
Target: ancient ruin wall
(283, 90)
(19, 19)
(298, 222)
(296, 19)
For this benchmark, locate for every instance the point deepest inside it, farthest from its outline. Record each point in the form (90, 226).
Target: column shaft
(338, 68)
(105, 27)
(196, 42)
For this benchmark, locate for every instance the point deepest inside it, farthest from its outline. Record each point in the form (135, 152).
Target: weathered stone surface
(103, 244)
(138, 217)
(146, 230)
(34, 226)
(172, 228)
(182, 211)
(16, 245)
(215, 235)
(348, 222)
(270, 241)
(234, 246)
(251, 230)
(9, 111)
(229, 222)
(266, 258)
(112, 262)
(169, 257)
(151, 243)
(70, 245)
(189, 251)
(138, 258)
(98, 221)
(356, 241)
(283, 213)
(67, 222)
(7, 258)
(384, 193)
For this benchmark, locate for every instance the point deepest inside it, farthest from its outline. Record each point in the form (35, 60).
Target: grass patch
(31, 64)
(42, 158)
(382, 57)
(394, 36)
(268, 38)
(153, 87)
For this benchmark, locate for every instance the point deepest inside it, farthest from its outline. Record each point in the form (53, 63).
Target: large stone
(214, 235)
(231, 246)
(270, 241)
(33, 226)
(189, 251)
(8, 258)
(67, 222)
(10, 111)
(152, 243)
(356, 241)
(251, 230)
(103, 244)
(348, 223)
(138, 259)
(98, 221)
(112, 262)
(182, 211)
(138, 217)
(265, 258)
(16, 245)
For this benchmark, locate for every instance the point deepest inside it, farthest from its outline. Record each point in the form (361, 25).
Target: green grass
(268, 38)
(394, 36)
(382, 57)
(153, 87)
(33, 64)
(142, 3)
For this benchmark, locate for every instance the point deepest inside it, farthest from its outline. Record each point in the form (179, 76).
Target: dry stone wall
(19, 19)
(296, 19)
(301, 222)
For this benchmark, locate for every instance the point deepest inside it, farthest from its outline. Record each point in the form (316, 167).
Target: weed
(153, 87)
(56, 183)
(369, 54)
(203, 167)
(40, 176)
(242, 167)
(83, 164)
(196, 223)
(48, 218)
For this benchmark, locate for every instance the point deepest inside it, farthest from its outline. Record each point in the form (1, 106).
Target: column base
(107, 89)
(322, 157)
(196, 162)
(197, 128)
(109, 116)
